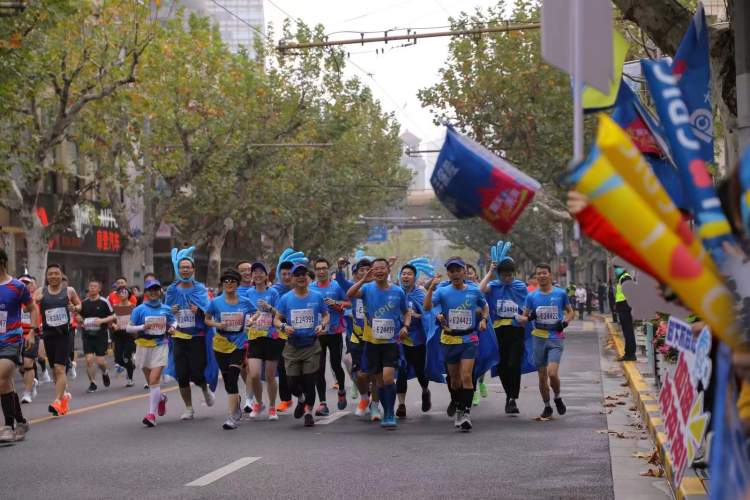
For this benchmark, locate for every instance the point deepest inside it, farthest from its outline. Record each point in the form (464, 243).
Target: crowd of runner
(285, 325)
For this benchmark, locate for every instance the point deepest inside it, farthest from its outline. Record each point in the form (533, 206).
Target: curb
(692, 487)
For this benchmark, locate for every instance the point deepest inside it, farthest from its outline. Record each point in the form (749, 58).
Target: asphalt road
(101, 450)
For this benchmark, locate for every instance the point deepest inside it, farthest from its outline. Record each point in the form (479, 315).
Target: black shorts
(95, 344)
(381, 356)
(265, 348)
(11, 352)
(57, 347)
(32, 353)
(189, 360)
(355, 351)
(226, 359)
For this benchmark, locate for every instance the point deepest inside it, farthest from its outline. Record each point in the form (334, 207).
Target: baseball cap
(299, 265)
(25, 278)
(257, 265)
(152, 283)
(456, 261)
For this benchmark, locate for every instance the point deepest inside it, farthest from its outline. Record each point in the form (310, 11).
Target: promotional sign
(472, 181)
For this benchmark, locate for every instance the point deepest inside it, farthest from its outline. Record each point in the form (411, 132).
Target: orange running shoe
(362, 407)
(283, 406)
(65, 400)
(56, 408)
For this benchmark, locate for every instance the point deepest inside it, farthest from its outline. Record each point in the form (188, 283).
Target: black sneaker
(547, 412)
(342, 400)
(105, 379)
(309, 420)
(511, 407)
(465, 423)
(451, 410)
(426, 400)
(560, 406)
(92, 388)
(299, 410)
(401, 411)
(322, 410)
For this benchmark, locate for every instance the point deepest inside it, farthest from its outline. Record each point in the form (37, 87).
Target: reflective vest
(619, 295)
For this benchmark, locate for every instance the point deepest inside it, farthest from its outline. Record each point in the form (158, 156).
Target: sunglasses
(227, 281)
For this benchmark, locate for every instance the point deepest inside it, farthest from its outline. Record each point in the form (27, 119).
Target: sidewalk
(645, 393)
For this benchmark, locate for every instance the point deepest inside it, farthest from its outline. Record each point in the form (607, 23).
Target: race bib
(264, 321)
(506, 308)
(4, 321)
(25, 317)
(460, 319)
(123, 321)
(155, 325)
(383, 329)
(359, 310)
(90, 324)
(302, 319)
(57, 316)
(185, 318)
(546, 315)
(233, 321)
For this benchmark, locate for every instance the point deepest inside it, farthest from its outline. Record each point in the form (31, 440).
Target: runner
(507, 297)
(123, 303)
(460, 304)
(227, 314)
(189, 301)
(389, 320)
(333, 338)
(414, 344)
(265, 344)
(356, 340)
(29, 356)
(303, 315)
(152, 321)
(14, 296)
(56, 303)
(550, 311)
(282, 286)
(95, 316)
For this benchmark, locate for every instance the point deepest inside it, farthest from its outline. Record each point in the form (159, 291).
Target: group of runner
(287, 329)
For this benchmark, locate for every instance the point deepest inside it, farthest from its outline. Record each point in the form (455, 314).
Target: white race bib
(90, 324)
(460, 319)
(185, 318)
(57, 316)
(123, 321)
(233, 321)
(25, 317)
(359, 310)
(383, 329)
(4, 321)
(506, 308)
(546, 315)
(302, 319)
(264, 321)
(155, 325)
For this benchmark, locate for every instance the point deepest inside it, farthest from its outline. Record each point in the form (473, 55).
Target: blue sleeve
(170, 316)
(322, 304)
(344, 283)
(404, 302)
(211, 309)
(480, 300)
(437, 297)
(25, 296)
(281, 307)
(274, 297)
(528, 303)
(341, 295)
(136, 317)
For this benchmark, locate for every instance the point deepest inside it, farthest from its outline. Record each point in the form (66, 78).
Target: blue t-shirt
(263, 326)
(415, 302)
(384, 311)
(459, 307)
(303, 314)
(242, 289)
(189, 324)
(157, 320)
(335, 292)
(505, 300)
(549, 309)
(234, 316)
(281, 289)
(13, 296)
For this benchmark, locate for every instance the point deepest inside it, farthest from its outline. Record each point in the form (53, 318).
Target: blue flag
(692, 69)
(745, 188)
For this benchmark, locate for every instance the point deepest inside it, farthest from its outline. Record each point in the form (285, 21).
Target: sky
(399, 73)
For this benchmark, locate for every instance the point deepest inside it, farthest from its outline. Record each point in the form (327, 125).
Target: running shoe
(342, 400)
(46, 379)
(92, 388)
(105, 379)
(322, 410)
(401, 411)
(451, 410)
(362, 407)
(7, 434)
(547, 412)
(119, 370)
(26, 398)
(73, 372)
(248, 405)
(145, 387)
(299, 410)
(129, 383)
(34, 388)
(56, 408)
(354, 392)
(65, 401)
(458, 418)
(257, 410)
(560, 406)
(389, 422)
(208, 397)
(229, 424)
(22, 428)
(284, 406)
(465, 423)
(272, 415)
(426, 400)
(149, 420)
(309, 420)
(477, 398)
(162, 407)
(188, 414)
(511, 407)
(375, 415)
(483, 389)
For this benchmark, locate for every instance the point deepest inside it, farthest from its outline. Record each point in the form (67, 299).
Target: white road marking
(332, 418)
(223, 471)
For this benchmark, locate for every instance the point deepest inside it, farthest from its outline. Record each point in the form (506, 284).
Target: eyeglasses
(229, 280)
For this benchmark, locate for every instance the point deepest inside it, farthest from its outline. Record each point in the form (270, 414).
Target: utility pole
(741, 20)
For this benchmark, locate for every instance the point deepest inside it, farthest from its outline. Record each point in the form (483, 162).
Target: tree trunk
(215, 245)
(37, 242)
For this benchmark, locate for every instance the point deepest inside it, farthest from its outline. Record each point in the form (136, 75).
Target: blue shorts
(547, 351)
(454, 353)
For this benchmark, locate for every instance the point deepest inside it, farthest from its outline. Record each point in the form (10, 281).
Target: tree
(85, 54)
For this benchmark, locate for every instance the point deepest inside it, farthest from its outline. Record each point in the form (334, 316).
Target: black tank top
(54, 310)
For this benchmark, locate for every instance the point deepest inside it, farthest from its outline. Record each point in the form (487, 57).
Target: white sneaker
(248, 405)
(46, 379)
(257, 410)
(375, 415)
(209, 397)
(34, 388)
(7, 434)
(73, 372)
(229, 424)
(26, 398)
(129, 383)
(188, 414)
(21, 430)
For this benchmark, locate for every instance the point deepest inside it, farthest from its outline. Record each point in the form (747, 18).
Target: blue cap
(257, 265)
(455, 262)
(298, 266)
(152, 283)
